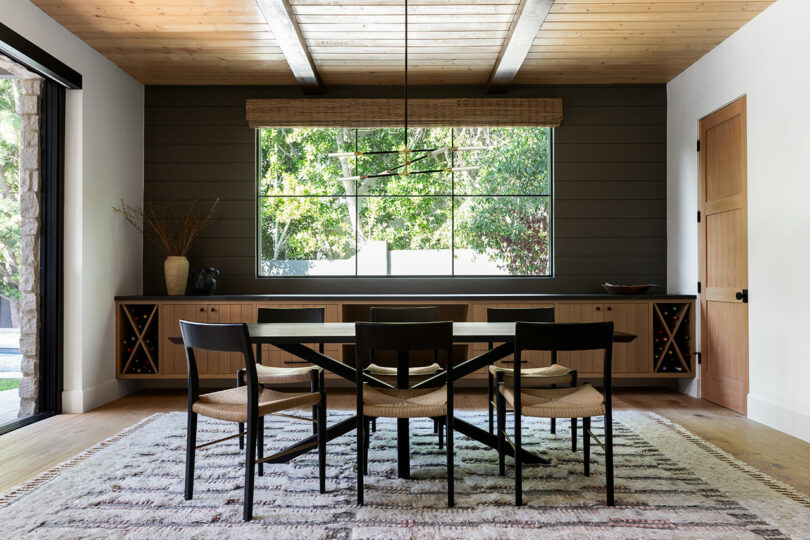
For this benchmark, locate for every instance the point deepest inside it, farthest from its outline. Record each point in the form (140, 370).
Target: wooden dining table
(292, 337)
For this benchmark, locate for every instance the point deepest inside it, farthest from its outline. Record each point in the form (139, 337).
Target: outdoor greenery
(9, 384)
(9, 190)
(316, 207)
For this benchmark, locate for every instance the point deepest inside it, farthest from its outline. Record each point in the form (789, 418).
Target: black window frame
(406, 278)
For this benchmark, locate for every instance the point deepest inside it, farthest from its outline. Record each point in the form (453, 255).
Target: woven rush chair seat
(407, 403)
(553, 374)
(581, 401)
(275, 374)
(231, 405)
(433, 368)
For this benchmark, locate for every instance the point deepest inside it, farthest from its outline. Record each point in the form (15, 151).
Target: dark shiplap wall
(610, 188)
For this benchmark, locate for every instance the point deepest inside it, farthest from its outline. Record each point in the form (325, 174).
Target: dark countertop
(394, 297)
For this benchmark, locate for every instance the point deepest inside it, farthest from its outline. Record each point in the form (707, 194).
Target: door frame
(57, 79)
(702, 289)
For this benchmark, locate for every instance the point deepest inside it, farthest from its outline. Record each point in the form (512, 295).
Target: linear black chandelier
(404, 168)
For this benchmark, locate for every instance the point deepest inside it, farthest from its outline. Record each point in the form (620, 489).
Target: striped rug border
(42, 478)
(778, 486)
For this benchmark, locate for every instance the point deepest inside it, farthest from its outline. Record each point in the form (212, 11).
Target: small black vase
(204, 280)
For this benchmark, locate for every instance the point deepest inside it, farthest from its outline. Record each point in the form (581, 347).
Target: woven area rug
(669, 484)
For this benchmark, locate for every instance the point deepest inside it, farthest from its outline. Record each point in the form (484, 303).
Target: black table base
(403, 431)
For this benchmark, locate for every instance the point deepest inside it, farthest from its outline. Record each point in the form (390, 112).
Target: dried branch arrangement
(172, 231)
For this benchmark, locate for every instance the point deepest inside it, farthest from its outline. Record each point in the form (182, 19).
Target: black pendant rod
(406, 83)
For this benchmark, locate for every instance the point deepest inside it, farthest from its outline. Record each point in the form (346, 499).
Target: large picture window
(344, 202)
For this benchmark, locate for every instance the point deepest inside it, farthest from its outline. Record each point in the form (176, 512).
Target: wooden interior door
(723, 232)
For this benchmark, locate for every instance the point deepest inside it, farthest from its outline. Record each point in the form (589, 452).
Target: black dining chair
(582, 401)
(540, 377)
(246, 404)
(275, 375)
(403, 338)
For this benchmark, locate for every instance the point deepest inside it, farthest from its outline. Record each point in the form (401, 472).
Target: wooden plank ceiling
(361, 41)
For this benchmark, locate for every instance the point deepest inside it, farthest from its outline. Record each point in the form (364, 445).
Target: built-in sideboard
(664, 324)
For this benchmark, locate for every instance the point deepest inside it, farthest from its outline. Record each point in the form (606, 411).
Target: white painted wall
(767, 60)
(104, 164)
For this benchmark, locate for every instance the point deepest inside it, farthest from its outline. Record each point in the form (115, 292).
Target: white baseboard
(778, 416)
(87, 399)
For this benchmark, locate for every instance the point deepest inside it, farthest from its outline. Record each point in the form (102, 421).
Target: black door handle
(742, 295)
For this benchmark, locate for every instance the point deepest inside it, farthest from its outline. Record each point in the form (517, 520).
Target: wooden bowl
(626, 289)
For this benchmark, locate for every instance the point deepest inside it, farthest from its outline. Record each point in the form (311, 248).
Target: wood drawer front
(271, 356)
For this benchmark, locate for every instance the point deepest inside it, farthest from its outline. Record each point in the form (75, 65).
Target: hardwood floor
(38, 447)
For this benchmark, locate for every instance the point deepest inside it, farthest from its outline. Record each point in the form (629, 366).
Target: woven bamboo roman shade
(357, 113)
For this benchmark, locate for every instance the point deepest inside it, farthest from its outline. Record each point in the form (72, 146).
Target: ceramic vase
(176, 271)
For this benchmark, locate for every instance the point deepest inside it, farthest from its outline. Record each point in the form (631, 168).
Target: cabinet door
(222, 363)
(586, 362)
(272, 356)
(631, 357)
(173, 356)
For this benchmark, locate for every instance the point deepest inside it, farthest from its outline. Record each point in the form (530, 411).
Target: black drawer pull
(202, 309)
(213, 310)
(598, 308)
(609, 308)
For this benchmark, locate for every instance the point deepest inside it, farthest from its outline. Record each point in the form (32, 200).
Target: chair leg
(313, 387)
(491, 394)
(573, 434)
(322, 443)
(441, 434)
(518, 463)
(374, 425)
(586, 445)
(611, 501)
(191, 446)
(501, 409)
(260, 443)
(240, 381)
(361, 428)
(366, 444)
(250, 467)
(553, 426)
(451, 489)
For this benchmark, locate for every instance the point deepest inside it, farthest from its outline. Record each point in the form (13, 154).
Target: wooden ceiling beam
(281, 20)
(529, 17)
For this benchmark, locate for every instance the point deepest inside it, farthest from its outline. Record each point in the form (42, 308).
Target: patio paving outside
(10, 358)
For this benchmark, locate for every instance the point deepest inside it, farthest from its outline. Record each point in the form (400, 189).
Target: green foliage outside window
(319, 215)
(10, 190)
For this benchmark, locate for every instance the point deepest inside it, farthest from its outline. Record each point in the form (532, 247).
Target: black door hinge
(698, 355)
(742, 295)
(698, 216)
(698, 145)
(698, 286)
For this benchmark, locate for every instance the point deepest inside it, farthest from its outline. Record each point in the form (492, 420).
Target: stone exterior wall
(29, 107)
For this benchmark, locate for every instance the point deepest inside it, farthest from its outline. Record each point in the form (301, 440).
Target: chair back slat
(543, 314)
(403, 336)
(214, 337)
(220, 338)
(403, 314)
(290, 315)
(563, 336)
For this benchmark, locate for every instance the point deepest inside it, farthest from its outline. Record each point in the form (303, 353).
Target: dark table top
(463, 332)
